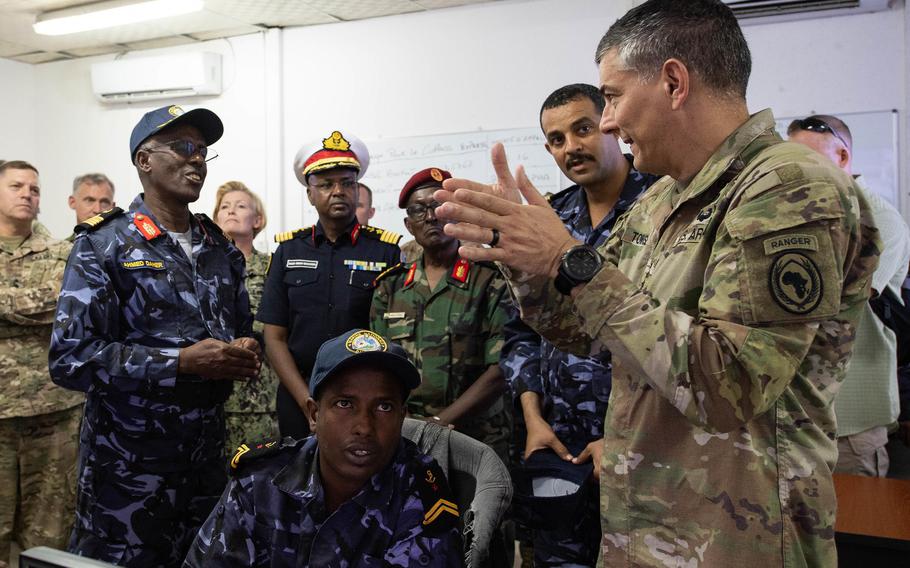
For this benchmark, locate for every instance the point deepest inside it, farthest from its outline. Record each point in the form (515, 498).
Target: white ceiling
(220, 18)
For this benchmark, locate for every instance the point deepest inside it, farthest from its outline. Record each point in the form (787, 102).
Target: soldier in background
(39, 421)
(250, 411)
(365, 209)
(868, 403)
(154, 324)
(728, 295)
(563, 397)
(355, 494)
(92, 194)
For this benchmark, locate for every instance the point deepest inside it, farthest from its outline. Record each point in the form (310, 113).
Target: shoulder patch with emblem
(392, 271)
(440, 511)
(288, 235)
(795, 283)
(380, 234)
(93, 223)
(247, 453)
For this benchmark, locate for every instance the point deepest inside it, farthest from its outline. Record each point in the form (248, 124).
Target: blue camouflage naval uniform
(273, 514)
(318, 290)
(151, 447)
(574, 390)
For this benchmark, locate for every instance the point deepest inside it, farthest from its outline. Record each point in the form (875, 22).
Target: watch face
(582, 264)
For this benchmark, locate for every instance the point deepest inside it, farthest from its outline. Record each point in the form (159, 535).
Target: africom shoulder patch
(795, 283)
(788, 276)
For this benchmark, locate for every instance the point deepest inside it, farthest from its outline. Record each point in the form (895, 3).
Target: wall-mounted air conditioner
(162, 77)
(763, 11)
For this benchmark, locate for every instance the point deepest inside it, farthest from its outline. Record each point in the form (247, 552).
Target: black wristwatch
(579, 265)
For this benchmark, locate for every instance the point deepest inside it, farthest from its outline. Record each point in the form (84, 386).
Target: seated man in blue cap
(355, 494)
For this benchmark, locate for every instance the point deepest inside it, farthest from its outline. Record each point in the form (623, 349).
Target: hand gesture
(529, 237)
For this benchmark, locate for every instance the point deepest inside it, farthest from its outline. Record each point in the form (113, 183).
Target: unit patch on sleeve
(795, 282)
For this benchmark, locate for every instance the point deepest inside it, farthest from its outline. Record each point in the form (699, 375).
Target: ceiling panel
(361, 9)
(221, 18)
(277, 13)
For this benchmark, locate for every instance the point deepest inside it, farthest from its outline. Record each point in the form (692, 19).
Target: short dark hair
(703, 34)
(573, 92)
(92, 179)
(17, 165)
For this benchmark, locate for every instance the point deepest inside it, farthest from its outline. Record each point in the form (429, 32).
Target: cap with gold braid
(337, 150)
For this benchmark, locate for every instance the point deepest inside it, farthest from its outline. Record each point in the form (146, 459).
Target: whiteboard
(465, 155)
(875, 148)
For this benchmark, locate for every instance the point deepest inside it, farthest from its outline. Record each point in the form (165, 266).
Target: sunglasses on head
(815, 125)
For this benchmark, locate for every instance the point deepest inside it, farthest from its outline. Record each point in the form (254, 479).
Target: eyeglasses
(418, 211)
(815, 125)
(187, 149)
(345, 185)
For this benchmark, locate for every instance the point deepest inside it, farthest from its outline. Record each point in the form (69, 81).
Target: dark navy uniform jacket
(273, 514)
(130, 300)
(319, 289)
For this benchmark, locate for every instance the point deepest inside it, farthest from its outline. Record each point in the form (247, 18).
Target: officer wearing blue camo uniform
(152, 323)
(356, 494)
(570, 393)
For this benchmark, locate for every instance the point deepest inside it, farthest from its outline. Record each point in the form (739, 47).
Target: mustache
(578, 158)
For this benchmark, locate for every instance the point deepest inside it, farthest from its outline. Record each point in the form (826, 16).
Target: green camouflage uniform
(250, 412)
(730, 306)
(453, 334)
(39, 421)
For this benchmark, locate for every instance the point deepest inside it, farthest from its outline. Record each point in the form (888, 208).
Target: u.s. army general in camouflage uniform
(39, 421)
(152, 332)
(729, 301)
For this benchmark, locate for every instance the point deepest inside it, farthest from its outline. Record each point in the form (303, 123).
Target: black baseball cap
(360, 346)
(156, 120)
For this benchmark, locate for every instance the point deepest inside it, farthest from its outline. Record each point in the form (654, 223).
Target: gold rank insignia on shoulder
(93, 223)
(248, 452)
(288, 235)
(381, 234)
(441, 506)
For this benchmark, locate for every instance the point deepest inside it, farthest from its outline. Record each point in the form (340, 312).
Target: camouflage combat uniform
(273, 513)
(453, 333)
(574, 390)
(39, 421)
(151, 462)
(730, 307)
(250, 411)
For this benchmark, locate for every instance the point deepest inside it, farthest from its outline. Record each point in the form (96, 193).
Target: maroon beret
(429, 176)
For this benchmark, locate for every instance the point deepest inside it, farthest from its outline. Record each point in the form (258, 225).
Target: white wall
(484, 66)
(17, 112)
(77, 134)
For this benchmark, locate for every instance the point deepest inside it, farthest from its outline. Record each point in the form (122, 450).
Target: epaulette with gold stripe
(398, 268)
(288, 235)
(380, 234)
(93, 223)
(247, 452)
